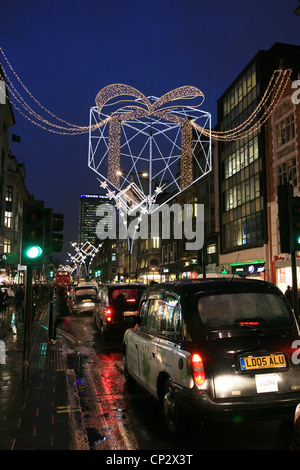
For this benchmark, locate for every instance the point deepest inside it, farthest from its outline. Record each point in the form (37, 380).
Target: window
(9, 194)
(287, 172)
(155, 311)
(7, 245)
(245, 87)
(242, 231)
(241, 158)
(143, 312)
(233, 310)
(7, 219)
(171, 315)
(162, 315)
(285, 130)
(155, 242)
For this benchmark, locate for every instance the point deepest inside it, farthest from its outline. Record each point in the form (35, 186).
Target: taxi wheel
(171, 409)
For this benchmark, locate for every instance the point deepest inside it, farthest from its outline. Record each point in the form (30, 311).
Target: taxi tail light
(248, 323)
(108, 314)
(198, 369)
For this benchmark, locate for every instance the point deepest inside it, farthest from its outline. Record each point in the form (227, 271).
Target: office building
(243, 170)
(89, 218)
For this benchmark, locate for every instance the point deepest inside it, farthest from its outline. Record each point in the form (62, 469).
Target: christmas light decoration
(151, 147)
(84, 255)
(159, 137)
(141, 106)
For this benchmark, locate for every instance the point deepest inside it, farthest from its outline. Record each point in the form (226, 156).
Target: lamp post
(142, 174)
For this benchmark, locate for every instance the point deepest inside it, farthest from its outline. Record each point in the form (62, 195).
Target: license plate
(266, 383)
(129, 314)
(262, 362)
(86, 300)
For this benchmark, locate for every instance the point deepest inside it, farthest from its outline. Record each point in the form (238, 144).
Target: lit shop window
(7, 245)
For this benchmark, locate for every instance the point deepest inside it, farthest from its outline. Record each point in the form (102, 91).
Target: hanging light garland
(274, 93)
(142, 106)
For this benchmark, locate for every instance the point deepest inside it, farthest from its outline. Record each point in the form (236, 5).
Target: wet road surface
(119, 419)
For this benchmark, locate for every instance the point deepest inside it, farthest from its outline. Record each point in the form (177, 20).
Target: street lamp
(142, 174)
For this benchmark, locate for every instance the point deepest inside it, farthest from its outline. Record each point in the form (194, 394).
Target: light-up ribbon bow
(142, 107)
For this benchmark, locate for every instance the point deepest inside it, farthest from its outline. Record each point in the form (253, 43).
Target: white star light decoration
(148, 146)
(84, 252)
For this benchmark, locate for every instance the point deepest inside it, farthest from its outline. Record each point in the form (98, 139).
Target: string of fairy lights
(141, 106)
(273, 94)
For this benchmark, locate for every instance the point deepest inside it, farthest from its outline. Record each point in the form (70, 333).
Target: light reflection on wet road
(118, 420)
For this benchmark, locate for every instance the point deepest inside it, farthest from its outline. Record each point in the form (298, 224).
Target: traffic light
(54, 223)
(295, 222)
(33, 231)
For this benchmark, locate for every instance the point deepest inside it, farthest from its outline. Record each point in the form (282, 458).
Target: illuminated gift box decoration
(145, 146)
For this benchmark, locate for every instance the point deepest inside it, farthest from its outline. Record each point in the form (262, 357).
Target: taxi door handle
(137, 345)
(153, 353)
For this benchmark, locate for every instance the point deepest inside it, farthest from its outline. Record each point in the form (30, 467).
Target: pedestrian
(1, 301)
(289, 295)
(5, 300)
(19, 301)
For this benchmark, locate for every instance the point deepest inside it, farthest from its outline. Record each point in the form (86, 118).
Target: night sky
(66, 51)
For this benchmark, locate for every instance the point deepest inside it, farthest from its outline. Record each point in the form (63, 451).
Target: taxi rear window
(85, 293)
(250, 309)
(128, 295)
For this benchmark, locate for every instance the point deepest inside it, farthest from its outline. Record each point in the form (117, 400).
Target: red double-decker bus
(62, 278)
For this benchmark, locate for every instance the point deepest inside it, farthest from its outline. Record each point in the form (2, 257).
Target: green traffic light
(34, 252)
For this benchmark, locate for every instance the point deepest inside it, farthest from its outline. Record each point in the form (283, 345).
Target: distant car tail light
(108, 314)
(198, 369)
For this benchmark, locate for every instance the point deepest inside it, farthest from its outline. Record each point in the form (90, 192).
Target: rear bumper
(83, 310)
(268, 407)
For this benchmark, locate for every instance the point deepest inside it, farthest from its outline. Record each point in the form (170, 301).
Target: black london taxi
(117, 308)
(218, 347)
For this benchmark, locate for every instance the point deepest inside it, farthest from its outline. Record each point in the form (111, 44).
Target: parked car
(83, 299)
(216, 347)
(117, 308)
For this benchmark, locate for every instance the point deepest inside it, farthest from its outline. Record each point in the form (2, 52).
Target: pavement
(39, 403)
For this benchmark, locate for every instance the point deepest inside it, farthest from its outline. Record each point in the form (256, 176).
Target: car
(83, 299)
(117, 308)
(220, 349)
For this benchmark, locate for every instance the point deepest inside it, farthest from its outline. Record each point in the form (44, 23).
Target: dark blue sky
(66, 51)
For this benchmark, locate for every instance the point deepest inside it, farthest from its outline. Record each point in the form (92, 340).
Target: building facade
(243, 167)
(16, 194)
(283, 168)
(89, 217)
(240, 195)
